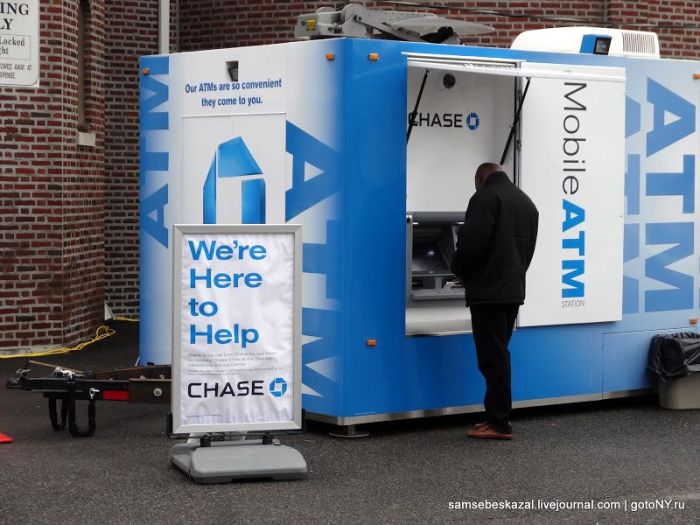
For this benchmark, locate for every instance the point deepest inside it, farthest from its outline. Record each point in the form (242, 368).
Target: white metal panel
(512, 68)
(456, 129)
(572, 166)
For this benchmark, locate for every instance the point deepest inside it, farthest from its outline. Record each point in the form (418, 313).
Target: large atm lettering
(677, 292)
(573, 242)
(153, 203)
(321, 325)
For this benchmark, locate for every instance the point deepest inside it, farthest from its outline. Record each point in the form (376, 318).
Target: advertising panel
(237, 329)
(573, 170)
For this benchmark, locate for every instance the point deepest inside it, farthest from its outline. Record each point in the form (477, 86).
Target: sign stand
(225, 461)
(236, 350)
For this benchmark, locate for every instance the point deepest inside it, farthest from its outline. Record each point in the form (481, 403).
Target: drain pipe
(606, 12)
(164, 26)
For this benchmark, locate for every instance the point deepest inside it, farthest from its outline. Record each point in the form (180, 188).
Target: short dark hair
(486, 169)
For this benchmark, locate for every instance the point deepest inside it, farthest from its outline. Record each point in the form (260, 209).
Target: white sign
(19, 43)
(237, 328)
(573, 167)
(243, 81)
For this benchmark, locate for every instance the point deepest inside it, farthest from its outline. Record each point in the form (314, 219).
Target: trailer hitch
(68, 412)
(147, 384)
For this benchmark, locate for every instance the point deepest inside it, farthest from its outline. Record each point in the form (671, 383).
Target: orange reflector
(694, 321)
(371, 342)
(4, 438)
(696, 76)
(330, 56)
(373, 57)
(145, 71)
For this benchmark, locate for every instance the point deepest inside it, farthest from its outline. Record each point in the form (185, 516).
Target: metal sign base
(226, 461)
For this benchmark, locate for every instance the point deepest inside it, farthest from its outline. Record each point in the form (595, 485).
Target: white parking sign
(19, 43)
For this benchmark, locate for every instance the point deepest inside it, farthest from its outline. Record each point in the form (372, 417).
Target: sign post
(236, 348)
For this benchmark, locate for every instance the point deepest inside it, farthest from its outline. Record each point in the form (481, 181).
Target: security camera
(449, 80)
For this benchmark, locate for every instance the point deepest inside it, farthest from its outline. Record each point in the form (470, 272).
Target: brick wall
(52, 191)
(83, 190)
(69, 213)
(666, 18)
(132, 32)
(208, 24)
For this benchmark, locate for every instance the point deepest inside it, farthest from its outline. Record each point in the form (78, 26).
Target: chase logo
(233, 159)
(472, 121)
(444, 120)
(278, 387)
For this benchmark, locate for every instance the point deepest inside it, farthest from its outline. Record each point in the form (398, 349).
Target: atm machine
(372, 144)
(434, 296)
(456, 121)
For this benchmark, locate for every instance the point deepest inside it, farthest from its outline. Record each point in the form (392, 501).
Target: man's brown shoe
(486, 432)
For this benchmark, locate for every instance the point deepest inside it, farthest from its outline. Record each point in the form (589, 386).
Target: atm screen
(427, 257)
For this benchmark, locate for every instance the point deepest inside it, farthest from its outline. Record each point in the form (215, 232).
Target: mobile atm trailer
(315, 133)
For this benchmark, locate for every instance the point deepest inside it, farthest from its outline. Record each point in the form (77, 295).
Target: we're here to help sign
(236, 362)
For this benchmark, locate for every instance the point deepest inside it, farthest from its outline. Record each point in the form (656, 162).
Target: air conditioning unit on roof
(595, 40)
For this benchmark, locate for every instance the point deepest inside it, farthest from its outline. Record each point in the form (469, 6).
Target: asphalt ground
(627, 453)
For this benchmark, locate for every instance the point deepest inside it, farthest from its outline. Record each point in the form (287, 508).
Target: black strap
(72, 425)
(515, 122)
(53, 415)
(415, 108)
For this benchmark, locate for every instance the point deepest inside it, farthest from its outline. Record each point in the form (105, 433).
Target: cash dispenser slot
(434, 297)
(433, 237)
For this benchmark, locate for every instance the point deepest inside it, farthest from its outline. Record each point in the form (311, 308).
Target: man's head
(483, 172)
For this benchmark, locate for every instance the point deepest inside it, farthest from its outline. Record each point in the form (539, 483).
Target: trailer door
(570, 161)
(573, 168)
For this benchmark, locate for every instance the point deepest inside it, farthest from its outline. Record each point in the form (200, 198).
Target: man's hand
(453, 284)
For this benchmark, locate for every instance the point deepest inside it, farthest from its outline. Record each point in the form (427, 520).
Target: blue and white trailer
(315, 133)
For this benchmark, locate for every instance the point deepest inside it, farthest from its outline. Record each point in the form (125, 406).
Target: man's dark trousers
(492, 326)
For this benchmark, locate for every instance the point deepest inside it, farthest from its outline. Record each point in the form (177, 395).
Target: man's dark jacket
(496, 243)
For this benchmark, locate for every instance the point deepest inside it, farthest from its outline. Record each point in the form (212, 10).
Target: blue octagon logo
(278, 387)
(472, 121)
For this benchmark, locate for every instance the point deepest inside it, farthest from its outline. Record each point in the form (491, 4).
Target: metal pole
(515, 123)
(164, 27)
(415, 109)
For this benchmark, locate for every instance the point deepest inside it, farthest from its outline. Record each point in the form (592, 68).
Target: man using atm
(495, 246)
